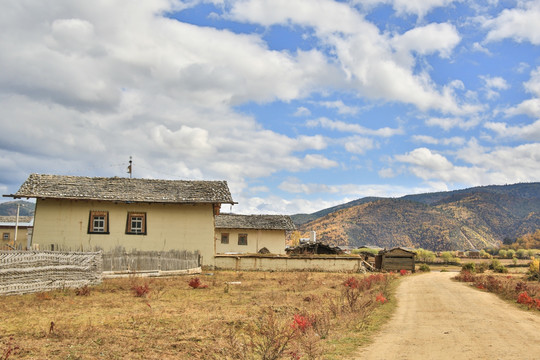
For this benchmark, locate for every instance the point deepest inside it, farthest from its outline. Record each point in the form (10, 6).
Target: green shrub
(425, 255)
(497, 267)
(481, 267)
(470, 267)
(424, 268)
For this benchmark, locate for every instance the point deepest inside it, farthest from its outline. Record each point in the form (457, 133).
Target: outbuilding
(243, 234)
(395, 259)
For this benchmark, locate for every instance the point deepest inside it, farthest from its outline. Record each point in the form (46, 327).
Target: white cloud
(533, 85)
(387, 173)
(353, 128)
(302, 111)
(340, 107)
(456, 140)
(492, 84)
(480, 48)
(407, 7)
(519, 24)
(449, 123)
(483, 166)
(372, 66)
(530, 107)
(529, 132)
(428, 39)
(359, 145)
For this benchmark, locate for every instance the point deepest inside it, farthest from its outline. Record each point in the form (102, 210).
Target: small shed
(395, 259)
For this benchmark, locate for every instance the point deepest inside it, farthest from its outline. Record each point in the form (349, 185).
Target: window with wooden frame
(136, 223)
(242, 239)
(5, 236)
(224, 238)
(98, 222)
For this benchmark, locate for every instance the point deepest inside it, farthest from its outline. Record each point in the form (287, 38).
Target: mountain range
(9, 208)
(472, 218)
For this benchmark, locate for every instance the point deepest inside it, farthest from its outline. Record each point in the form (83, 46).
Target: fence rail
(24, 272)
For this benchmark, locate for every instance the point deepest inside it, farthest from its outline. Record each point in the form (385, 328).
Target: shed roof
(124, 189)
(255, 222)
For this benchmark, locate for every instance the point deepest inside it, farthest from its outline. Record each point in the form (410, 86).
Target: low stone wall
(328, 263)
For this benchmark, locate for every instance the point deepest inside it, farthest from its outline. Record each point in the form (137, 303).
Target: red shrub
(402, 272)
(380, 298)
(465, 276)
(352, 283)
(196, 283)
(140, 290)
(301, 323)
(525, 299)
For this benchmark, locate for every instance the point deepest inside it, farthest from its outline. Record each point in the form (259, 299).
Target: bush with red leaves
(195, 283)
(402, 272)
(380, 298)
(301, 323)
(140, 290)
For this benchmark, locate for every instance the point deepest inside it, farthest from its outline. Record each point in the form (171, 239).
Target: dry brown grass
(226, 320)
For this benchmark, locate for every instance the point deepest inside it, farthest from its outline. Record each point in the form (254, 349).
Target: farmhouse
(251, 233)
(11, 226)
(85, 213)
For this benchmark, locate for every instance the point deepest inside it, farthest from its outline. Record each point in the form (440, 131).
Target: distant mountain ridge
(9, 208)
(462, 219)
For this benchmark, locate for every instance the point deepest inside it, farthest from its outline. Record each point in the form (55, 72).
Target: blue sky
(298, 104)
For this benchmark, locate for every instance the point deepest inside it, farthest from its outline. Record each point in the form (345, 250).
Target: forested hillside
(463, 219)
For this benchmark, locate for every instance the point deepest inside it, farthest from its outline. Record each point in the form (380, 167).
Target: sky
(298, 104)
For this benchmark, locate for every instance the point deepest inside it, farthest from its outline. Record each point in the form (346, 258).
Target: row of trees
(450, 256)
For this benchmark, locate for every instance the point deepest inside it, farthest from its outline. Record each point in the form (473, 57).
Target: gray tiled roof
(12, 220)
(255, 222)
(124, 189)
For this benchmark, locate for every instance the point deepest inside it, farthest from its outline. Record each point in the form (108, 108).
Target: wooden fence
(139, 262)
(24, 272)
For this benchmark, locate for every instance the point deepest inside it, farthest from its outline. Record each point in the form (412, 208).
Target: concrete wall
(269, 263)
(273, 240)
(64, 223)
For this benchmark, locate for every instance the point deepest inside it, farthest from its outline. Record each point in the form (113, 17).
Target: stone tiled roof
(124, 189)
(12, 220)
(254, 222)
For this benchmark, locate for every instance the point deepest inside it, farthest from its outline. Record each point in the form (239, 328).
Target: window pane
(242, 239)
(99, 223)
(136, 224)
(224, 238)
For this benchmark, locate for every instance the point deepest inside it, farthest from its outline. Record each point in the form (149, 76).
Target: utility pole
(130, 168)
(16, 226)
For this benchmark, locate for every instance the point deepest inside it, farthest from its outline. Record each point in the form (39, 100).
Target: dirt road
(438, 318)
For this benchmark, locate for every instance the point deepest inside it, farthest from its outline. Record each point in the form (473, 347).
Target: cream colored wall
(261, 263)
(22, 235)
(273, 240)
(169, 226)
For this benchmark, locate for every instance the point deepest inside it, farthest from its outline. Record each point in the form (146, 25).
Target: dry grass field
(232, 315)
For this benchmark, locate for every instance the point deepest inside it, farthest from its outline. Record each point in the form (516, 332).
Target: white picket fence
(24, 272)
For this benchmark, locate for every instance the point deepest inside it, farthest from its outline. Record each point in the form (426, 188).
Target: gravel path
(438, 318)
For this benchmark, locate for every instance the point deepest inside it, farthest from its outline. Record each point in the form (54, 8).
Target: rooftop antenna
(130, 169)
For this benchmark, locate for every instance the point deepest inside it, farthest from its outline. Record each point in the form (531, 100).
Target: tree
(447, 256)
